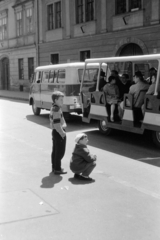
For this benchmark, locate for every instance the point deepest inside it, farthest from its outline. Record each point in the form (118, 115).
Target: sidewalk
(14, 95)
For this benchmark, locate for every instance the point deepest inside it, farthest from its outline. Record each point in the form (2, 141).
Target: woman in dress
(112, 94)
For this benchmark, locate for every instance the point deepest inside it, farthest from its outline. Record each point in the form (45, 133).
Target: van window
(55, 76)
(38, 76)
(51, 76)
(61, 76)
(45, 77)
(34, 78)
(90, 75)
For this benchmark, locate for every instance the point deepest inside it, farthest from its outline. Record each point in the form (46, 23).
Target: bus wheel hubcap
(103, 124)
(158, 136)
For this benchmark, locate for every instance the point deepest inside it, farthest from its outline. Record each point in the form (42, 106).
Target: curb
(15, 98)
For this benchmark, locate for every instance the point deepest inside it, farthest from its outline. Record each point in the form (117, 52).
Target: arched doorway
(5, 73)
(131, 49)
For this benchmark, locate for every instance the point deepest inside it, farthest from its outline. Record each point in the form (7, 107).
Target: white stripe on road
(127, 184)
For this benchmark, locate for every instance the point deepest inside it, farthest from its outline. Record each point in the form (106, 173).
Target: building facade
(42, 32)
(73, 30)
(17, 44)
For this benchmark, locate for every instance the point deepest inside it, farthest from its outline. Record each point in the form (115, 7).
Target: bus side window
(55, 76)
(61, 76)
(51, 76)
(45, 77)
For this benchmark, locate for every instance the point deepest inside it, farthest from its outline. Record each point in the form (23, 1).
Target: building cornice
(18, 3)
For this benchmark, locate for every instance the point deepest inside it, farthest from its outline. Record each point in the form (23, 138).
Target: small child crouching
(82, 162)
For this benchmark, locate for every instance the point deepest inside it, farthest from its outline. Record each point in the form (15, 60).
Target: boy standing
(58, 126)
(82, 162)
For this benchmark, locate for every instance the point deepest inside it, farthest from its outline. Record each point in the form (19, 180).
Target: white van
(62, 77)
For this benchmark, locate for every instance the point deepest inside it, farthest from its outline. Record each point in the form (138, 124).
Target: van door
(36, 89)
(45, 93)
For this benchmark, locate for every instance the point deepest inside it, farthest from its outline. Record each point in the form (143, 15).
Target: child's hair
(155, 75)
(115, 72)
(140, 76)
(111, 78)
(125, 75)
(56, 95)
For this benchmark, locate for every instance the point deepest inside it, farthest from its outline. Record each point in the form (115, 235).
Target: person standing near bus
(58, 125)
(112, 95)
(140, 85)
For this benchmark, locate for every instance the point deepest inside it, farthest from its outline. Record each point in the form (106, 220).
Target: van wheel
(102, 125)
(156, 138)
(35, 109)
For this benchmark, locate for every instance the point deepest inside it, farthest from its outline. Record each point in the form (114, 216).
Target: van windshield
(90, 74)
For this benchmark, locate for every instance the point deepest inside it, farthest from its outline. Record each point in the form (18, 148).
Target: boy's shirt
(57, 121)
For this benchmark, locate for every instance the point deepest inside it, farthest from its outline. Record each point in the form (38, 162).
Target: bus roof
(63, 65)
(124, 59)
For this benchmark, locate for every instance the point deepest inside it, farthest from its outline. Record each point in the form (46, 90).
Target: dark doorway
(5, 73)
(131, 49)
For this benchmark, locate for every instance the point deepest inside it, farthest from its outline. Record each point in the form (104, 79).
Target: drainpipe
(37, 33)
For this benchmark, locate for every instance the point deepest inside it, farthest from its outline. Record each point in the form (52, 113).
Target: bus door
(36, 89)
(92, 98)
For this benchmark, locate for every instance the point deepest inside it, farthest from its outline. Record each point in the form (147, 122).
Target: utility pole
(37, 32)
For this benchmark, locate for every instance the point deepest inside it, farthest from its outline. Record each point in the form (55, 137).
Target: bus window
(51, 76)
(45, 77)
(121, 68)
(61, 76)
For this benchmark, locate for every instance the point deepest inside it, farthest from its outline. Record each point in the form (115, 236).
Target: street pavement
(122, 203)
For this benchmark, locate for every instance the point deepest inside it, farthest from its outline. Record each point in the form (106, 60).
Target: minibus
(64, 77)
(94, 105)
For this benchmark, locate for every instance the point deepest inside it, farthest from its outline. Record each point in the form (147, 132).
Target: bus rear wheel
(156, 138)
(35, 109)
(102, 125)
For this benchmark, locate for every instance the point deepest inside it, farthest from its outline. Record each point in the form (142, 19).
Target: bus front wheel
(103, 127)
(35, 109)
(156, 138)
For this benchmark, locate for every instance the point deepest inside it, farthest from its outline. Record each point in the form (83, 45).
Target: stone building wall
(15, 47)
(105, 35)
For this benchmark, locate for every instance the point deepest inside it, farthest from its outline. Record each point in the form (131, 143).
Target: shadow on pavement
(42, 120)
(78, 182)
(50, 181)
(73, 124)
(134, 146)
(131, 145)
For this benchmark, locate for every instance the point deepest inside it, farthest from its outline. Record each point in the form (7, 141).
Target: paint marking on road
(148, 159)
(24, 142)
(127, 184)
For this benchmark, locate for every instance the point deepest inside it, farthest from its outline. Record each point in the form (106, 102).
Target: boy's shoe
(86, 178)
(58, 172)
(77, 176)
